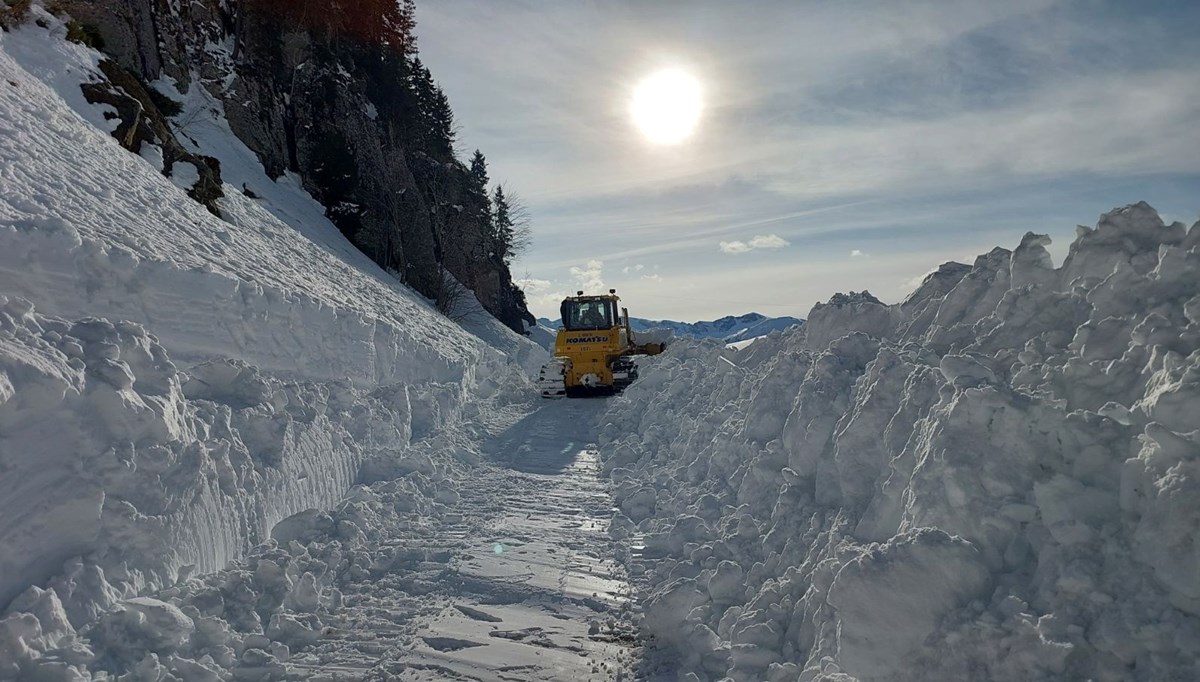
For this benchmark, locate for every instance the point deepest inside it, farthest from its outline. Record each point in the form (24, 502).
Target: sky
(841, 146)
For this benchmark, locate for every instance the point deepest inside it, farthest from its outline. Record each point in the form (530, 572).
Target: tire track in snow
(520, 580)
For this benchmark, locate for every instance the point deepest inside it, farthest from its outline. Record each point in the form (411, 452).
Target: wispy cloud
(541, 295)
(574, 140)
(874, 127)
(532, 285)
(768, 241)
(759, 241)
(910, 284)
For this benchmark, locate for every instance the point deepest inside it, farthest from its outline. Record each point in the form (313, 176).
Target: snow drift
(173, 384)
(998, 478)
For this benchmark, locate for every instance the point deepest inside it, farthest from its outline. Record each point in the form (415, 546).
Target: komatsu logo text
(588, 339)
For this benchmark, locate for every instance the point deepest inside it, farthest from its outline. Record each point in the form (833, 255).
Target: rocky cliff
(322, 90)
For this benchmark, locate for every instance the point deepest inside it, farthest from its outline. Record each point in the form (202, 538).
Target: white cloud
(653, 278)
(910, 284)
(541, 295)
(759, 241)
(768, 241)
(633, 268)
(532, 285)
(858, 253)
(589, 278)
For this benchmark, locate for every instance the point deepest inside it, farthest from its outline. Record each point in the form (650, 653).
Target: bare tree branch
(522, 224)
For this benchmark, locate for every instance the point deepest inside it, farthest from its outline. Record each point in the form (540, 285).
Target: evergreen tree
(479, 174)
(420, 83)
(443, 128)
(502, 225)
(435, 124)
(399, 24)
(480, 204)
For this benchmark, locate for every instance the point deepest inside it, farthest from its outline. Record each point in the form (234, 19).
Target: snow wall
(998, 478)
(173, 384)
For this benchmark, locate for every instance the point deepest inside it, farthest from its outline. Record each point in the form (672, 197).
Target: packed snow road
(515, 581)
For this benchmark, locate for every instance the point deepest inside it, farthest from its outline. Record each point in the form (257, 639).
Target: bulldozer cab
(589, 313)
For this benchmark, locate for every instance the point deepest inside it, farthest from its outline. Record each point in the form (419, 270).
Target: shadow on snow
(549, 439)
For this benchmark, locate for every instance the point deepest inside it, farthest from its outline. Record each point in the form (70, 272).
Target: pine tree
(479, 174)
(443, 120)
(399, 23)
(477, 193)
(435, 125)
(420, 83)
(502, 225)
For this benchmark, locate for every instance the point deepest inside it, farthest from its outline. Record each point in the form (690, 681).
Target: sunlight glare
(666, 106)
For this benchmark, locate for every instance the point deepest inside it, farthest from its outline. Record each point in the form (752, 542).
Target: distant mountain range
(729, 329)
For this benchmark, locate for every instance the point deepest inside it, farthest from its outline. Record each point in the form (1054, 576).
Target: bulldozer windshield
(585, 315)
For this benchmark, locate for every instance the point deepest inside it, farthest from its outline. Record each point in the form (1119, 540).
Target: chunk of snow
(184, 175)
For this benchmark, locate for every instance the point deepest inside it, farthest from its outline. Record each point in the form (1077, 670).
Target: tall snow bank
(171, 383)
(278, 612)
(110, 451)
(998, 478)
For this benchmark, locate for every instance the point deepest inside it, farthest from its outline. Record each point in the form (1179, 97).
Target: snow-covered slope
(997, 479)
(173, 384)
(543, 335)
(730, 329)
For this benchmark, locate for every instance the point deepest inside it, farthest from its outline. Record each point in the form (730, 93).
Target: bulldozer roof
(610, 296)
(600, 297)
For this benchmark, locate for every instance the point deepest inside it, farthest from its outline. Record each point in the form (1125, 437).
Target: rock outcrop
(333, 106)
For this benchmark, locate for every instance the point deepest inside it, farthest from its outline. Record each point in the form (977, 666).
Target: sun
(666, 106)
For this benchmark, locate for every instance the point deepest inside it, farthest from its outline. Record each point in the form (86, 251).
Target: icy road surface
(519, 580)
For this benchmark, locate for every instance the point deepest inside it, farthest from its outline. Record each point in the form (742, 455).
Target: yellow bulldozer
(594, 351)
